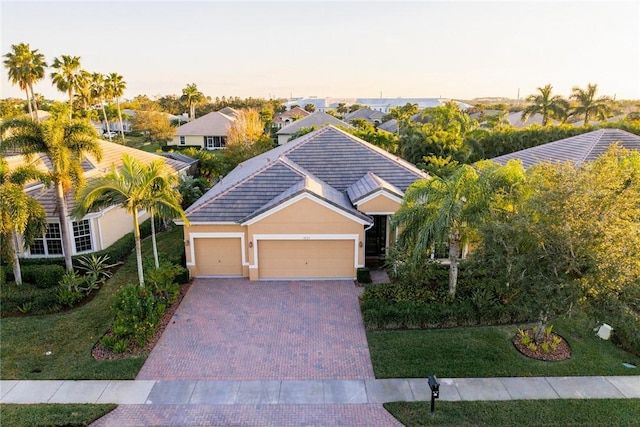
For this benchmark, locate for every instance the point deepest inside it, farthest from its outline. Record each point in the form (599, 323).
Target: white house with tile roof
(314, 208)
(208, 132)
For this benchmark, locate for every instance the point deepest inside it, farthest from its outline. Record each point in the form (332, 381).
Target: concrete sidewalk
(312, 392)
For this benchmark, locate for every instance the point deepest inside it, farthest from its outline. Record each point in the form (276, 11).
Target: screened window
(50, 244)
(82, 235)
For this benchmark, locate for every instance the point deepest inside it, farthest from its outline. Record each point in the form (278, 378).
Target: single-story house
(317, 119)
(314, 208)
(97, 230)
(208, 132)
(577, 149)
(287, 117)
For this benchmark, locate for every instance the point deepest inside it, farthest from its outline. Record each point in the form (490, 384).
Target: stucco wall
(379, 205)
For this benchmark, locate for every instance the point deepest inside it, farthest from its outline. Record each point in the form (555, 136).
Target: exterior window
(182, 141)
(82, 235)
(50, 244)
(215, 142)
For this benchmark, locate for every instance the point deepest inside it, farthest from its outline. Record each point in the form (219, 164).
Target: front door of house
(376, 237)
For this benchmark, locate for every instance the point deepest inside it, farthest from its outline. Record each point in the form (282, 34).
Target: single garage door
(218, 257)
(291, 259)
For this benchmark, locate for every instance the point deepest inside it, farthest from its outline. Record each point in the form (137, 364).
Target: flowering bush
(137, 313)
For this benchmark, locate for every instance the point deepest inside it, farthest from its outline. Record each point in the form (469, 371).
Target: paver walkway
(234, 329)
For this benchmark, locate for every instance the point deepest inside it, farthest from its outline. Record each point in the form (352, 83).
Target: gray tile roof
(213, 124)
(325, 162)
(364, 113)
(578, 149)
(111, 157)
(389, 126)
(369, 184)
(316, 119)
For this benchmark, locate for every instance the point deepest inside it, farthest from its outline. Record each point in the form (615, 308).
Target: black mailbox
(434, 385)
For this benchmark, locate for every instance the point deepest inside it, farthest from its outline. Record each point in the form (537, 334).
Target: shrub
(162, 282)
(43, 276)
(137, 313)
(73, 288)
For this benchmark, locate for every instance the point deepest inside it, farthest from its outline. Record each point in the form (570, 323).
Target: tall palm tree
(20, 213)
(100, 92)
(550, 107)
(24, 68)
(132, 187)
(192, 97)
(65, 142)
(164, 201)
(588, 105)
(67, 78)
(437, 211)
(116, 85)
(83, 90)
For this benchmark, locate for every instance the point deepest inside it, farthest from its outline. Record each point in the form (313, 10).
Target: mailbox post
(434, 385)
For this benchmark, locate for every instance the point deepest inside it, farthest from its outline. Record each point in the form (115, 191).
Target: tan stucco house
(97, 230)
(314, 208)
(208, 132)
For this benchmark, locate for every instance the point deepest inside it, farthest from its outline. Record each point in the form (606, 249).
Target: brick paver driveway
(234, 329)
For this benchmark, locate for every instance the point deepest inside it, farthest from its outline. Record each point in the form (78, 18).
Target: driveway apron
(235, 329)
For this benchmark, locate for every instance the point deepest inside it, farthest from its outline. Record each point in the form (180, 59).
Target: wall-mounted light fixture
(360, 244)
(250, 243)
(186, 243)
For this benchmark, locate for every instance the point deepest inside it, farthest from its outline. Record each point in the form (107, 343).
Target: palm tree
(21, 214)
(550, 107)
(99, 92)
(67, 78)
(192, 96)
(83, 90)
(65, 142)
(588, 105)
(24, 68)
(437, 211)
(116, 86)
(164, 201)
(133, 187)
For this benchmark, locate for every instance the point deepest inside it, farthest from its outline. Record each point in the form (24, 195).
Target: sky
(451, 49)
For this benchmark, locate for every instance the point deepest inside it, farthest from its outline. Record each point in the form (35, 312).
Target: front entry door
(376, 237)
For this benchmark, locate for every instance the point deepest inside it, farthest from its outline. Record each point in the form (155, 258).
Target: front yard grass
(592, 412)
(46, 415)
(489, 352)
(70, 336)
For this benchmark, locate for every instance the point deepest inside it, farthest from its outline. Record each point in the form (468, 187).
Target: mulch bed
(100, 352)
(562, 351)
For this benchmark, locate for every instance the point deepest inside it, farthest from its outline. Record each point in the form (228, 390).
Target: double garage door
(290, 259)
(278, 259)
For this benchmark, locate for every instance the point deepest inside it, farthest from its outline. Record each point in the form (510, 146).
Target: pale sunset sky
(452, 49)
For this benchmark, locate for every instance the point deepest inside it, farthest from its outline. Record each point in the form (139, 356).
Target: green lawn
(71, 335)
(605, 412)
(489, 352)
(49, 415)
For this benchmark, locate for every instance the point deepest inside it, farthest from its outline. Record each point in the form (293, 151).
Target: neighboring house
(515, 119)
(317, 119)
(371, 116)
(577, 149)
(208, 132)
(285, 118)
(390, 126)
(97, 230)
(314, 208)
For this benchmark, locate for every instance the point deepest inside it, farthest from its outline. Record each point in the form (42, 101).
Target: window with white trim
(50, 243)
(82, 235)
(215, 142)
(182, 140)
